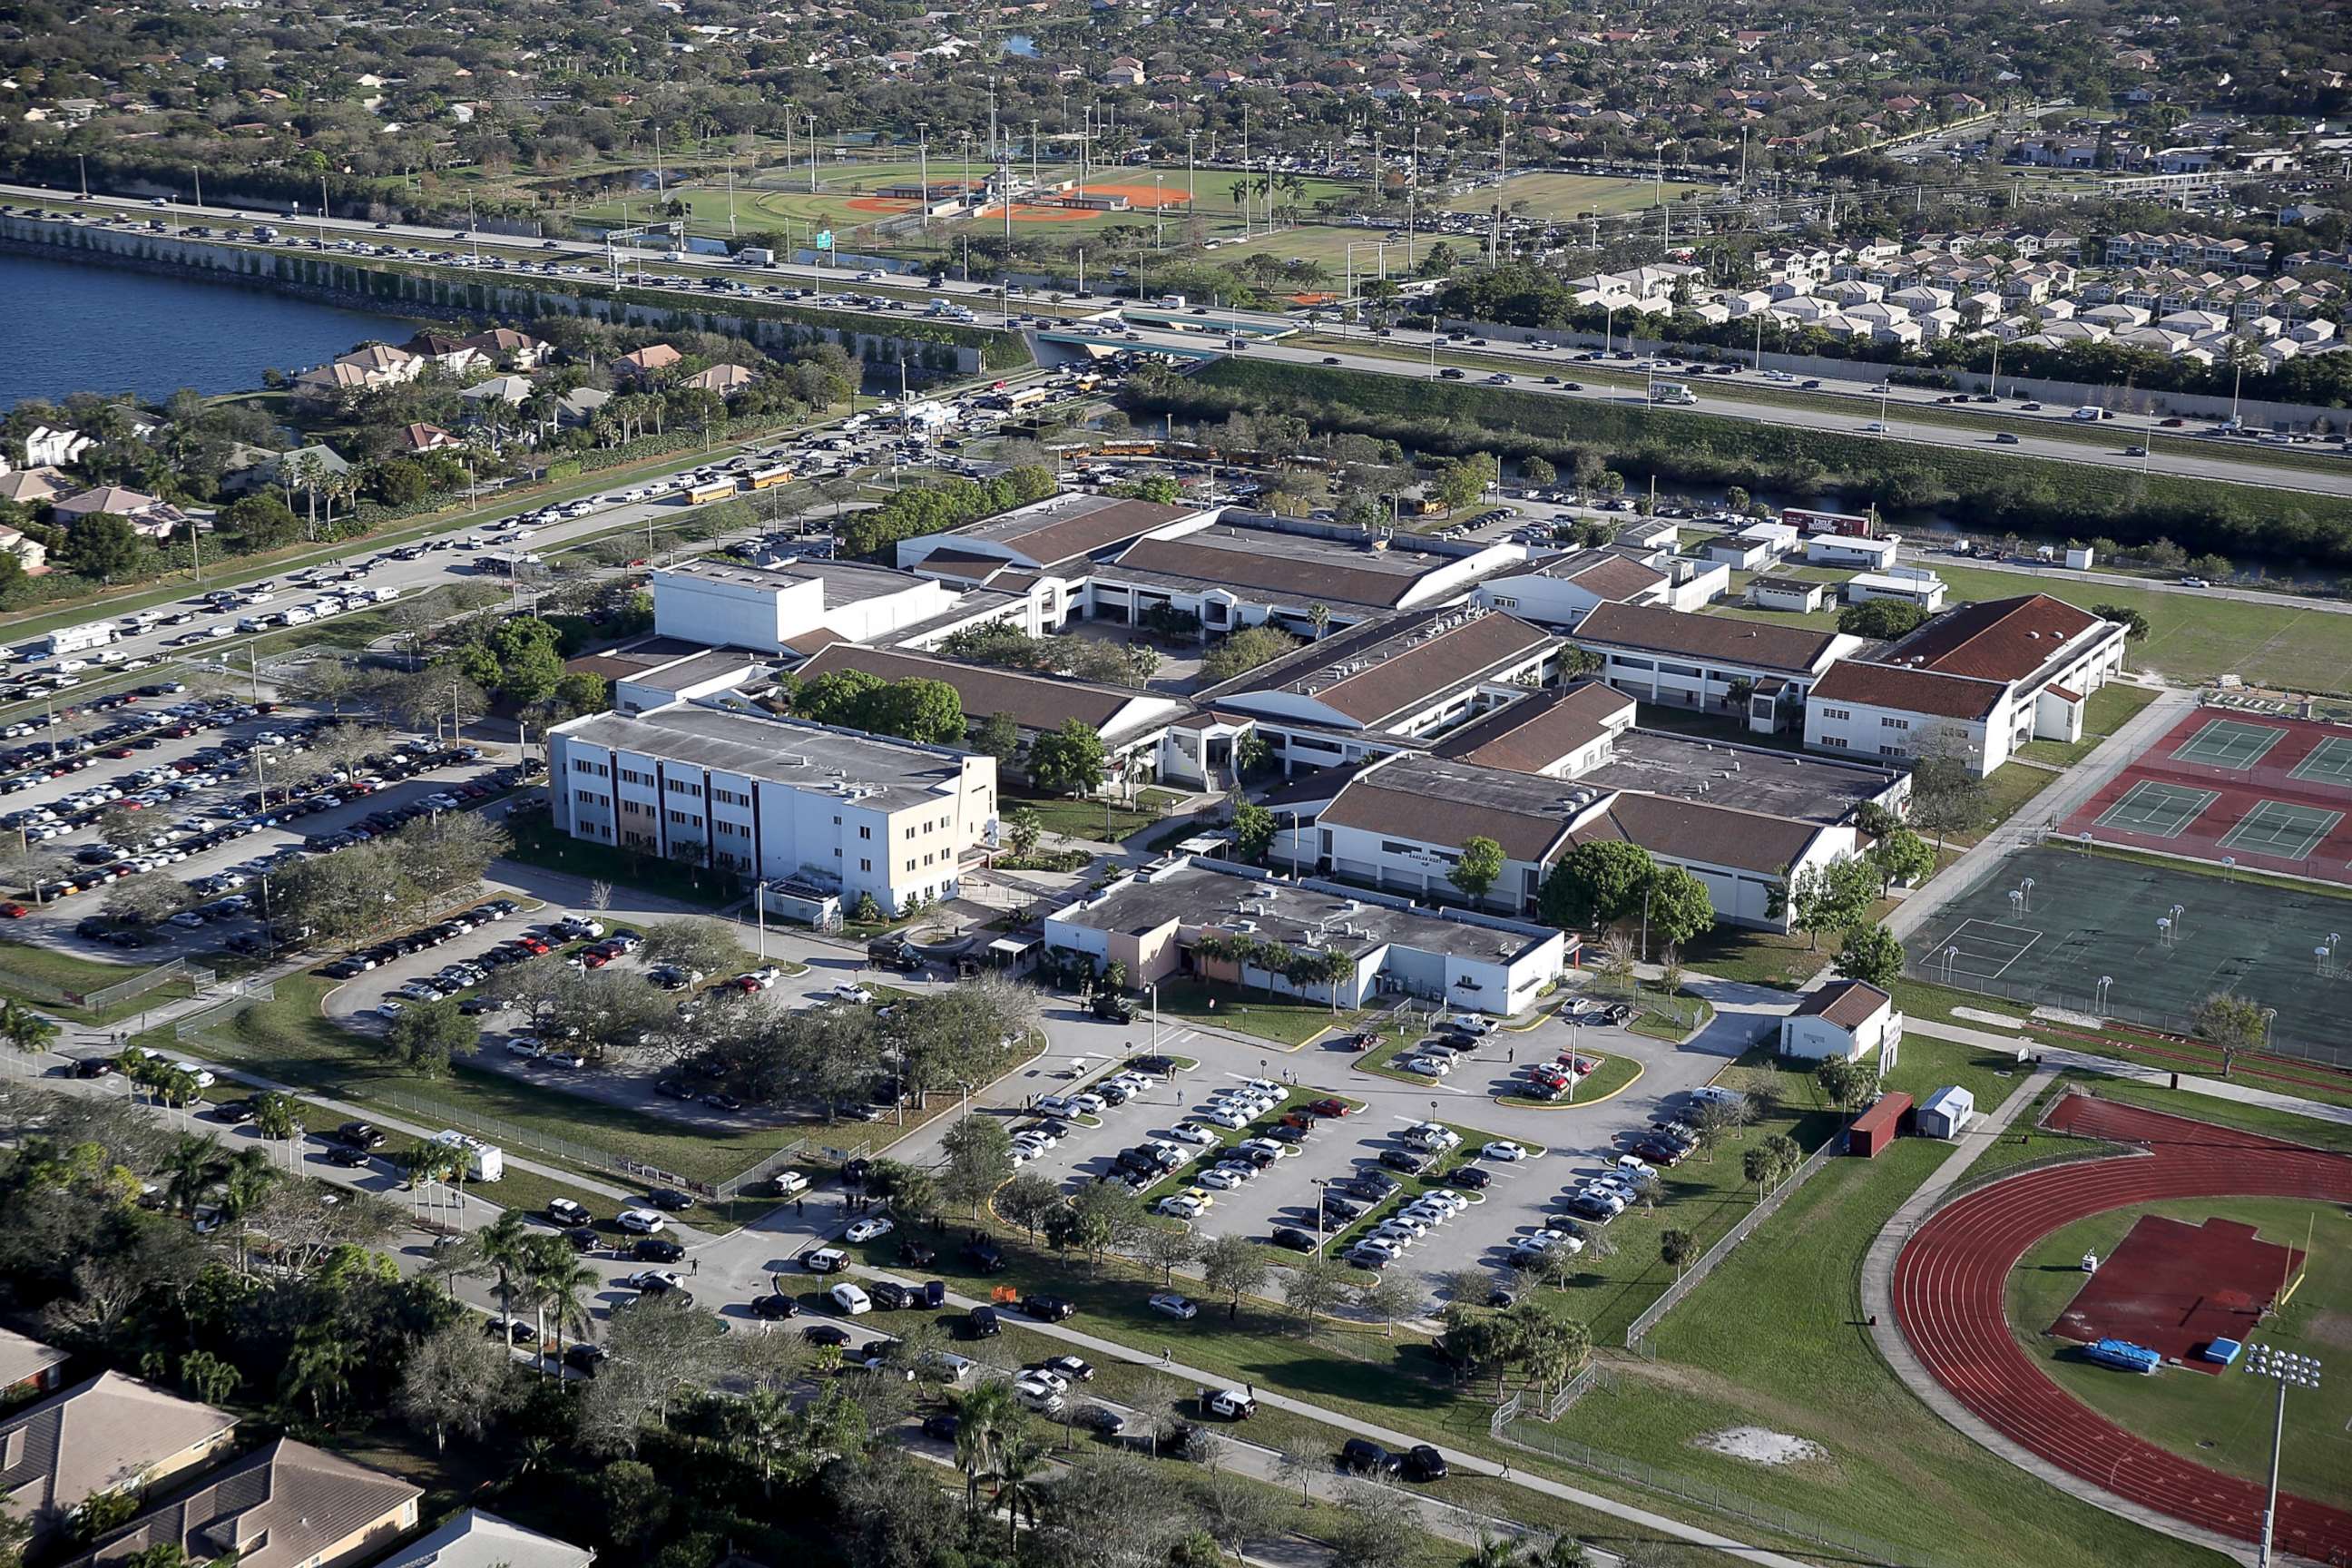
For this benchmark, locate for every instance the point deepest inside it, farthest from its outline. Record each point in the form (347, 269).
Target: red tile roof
(1997, 639)
(1909, 691)
(1848, 1004)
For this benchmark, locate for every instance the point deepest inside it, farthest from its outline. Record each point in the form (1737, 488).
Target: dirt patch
(1762, 1446)
(1137, 195)
(1023, 213)
(2332, 1328)
(879, 205)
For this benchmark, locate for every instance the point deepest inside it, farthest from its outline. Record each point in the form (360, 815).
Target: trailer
(1848, 525)
(483, 1162)
(74, 639)
(1673, 392)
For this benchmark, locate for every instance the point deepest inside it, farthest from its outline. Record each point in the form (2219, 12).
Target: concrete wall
(2257, 412)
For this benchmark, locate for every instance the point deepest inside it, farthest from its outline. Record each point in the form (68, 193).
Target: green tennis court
(2228, 744)
(2330, 763)
(2158, 809)
(2044, 926)
(2283, 828)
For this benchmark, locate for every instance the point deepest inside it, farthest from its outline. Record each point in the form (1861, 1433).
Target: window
(582, 765)
(1837, 741)
(866, 833)
(865, 865)
(1667, 666)
(1894, 751)
(1885, 723)
(1504, 602)
(631, 775)
(1837, 712)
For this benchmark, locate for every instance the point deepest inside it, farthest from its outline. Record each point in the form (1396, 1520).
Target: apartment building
(836, 810)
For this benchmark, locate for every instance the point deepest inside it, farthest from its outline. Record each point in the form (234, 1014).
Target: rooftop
(22, 1358)
(280, 1506)
(1062, 527)
(1298, 566)
(1794, 650)
(1535, 733)
(1034, 701)
(846, 582)
(1203, 894)
(1437, 801)
(479, 1540)
(1994, 639)
(894, 774)
(1848, 1004)
(695, 669)
(1386, 670)
(1688, 830)
(1740, 778)
(101, 1435)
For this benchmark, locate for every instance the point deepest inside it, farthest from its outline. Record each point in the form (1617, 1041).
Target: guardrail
(1638, 1332)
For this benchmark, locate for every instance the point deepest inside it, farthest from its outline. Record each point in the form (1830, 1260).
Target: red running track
(1949, 1283)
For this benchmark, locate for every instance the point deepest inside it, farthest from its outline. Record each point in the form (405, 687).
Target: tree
(1375, 1527)
(2230, 1024)
(24, 1029)
(456, 1378)
(1885, 619)
(1677, 907)
(1313, 1287)
(998, 736)
(1024, 828)
(1900, 856)
(1595, 884)
(1243, 651)
(1539, 471)
(1463, 481)
(1871, 953)
(427, 1034)
(698, 946)
(1677, 1248)
(100, 546)
(1477, 870)
(1827, 898)
(1949, 796)
(1845, 1079)
(2135, 625)
(1388, 1299)
(1233, 1266)
(1167, 1247)
(979, 1152)
(1027, 1201)
(1068, 761)
(1758, 1166)
(1254, 830)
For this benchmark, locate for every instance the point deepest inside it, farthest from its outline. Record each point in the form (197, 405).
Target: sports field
(1558, 196)
(2044, 926)
(2222, 1418)
(2244, 789)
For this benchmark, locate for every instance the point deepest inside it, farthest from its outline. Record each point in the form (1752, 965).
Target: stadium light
(2105, 981)
(2286, 1369)
(2026, 889)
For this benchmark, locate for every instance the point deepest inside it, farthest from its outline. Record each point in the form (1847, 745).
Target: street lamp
(2282, 1367)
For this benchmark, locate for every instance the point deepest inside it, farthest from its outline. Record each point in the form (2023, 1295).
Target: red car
(1333, 1106)
(591, 959)
(13, 912)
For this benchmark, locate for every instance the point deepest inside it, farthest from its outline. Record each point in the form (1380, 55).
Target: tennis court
(2283, 828)
(2261, 790)
(2330, 763)
(2229, 743)
(2081, 915)
(2158, 809)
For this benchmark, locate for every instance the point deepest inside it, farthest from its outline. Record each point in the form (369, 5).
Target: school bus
(1127, 448)
(768, 479)
(717, 489)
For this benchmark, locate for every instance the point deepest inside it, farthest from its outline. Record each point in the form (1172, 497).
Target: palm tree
(320, 1368)
(243, 1184)
(560, 1283)
(503, 1248)
(25, 1029)
(765, 1426)
(1319, 616)
(1021, 1481)
(986, 1417)
(194, 1164)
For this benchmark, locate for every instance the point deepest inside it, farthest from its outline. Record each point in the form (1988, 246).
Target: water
(94, 328)
(1021, 44)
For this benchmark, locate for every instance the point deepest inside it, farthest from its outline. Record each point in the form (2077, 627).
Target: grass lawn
(1104, 822)
(538, 842)
(41, 975)
(2193, 638)
(289, 1039)
(1563, 195)
(2110, 708)
(1892, 1469)
(2222, 1418)
(1763, 957)
(1281, 1019)
(2008, 791)
(1613, 1075)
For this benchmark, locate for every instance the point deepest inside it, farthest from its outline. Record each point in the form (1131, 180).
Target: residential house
(286, 1505)
(148, 516)
(33, 487)
(726, 379)
(31, 555)
(646, 363)
(52, 447)
(476, 1539)
(112, 1435)
(29, 1367)
(381, 364)
(429, 438)
(504, 345)
(456, 356)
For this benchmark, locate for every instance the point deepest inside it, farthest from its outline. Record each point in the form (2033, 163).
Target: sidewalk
(2058, 1057)
(1393, 1438)
(1877, 1304)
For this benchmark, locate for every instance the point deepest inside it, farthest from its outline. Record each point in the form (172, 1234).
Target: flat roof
(1034, 701)
(696, 668)
(894, 774)
(1436, 800)
(846, 582)
(1200, 894)
(1772, 783)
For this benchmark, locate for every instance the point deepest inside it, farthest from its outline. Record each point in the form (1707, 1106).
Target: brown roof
(22, 1359)
(99, 1437)
(652, 356)
(1306, 578)
(1610, 575)
(957, 563)
(1413, 675)
(1687, 830)
(279, 1506)
(1534, 733)
(1911, 691)
(1997, 639)
(1797, 650)
(1097, 528)
(1034, 701)
(1376, 808)
(1848, 1004)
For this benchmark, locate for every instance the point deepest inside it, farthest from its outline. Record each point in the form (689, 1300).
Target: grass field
(1095, 821)
(1776, 1339)
(2109, 709)
(538, 842)
(39, 974)
(2223, 1419)
(1278, 1019)
(1563, 195)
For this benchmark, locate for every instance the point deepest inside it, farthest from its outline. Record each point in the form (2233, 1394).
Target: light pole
(2282, 1367)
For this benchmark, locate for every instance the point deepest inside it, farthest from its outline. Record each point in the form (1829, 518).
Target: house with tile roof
(1975, 683)
(110, 1434)
(29, 1367)
(477, 1539)
(285, 1505)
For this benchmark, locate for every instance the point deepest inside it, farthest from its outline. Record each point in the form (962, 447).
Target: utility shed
(1947, 1113)
(1874, 1129)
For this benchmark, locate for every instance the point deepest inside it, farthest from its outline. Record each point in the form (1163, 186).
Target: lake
(76, 327)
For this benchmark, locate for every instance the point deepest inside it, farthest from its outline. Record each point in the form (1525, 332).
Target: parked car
(1171, 1304)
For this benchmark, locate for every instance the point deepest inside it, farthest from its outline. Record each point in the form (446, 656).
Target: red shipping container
(1875, 1128)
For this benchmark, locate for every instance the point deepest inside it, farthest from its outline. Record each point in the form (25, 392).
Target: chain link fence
(1638, 1332)
(139, 984)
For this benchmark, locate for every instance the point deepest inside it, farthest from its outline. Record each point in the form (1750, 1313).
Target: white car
(1432, 1135)
(1633, 1165)
(1400, 1222)
(1088, 1104)
(790, 1183)
(1191, 1132)
(848, 991)
(1184, 1206)
(1502, 1150)
(1056, 1105)
(824, 1260)
(1174, 1306)
(655, 1279)
(1471, 1023)
(645, 1222)
(1427, 1066)
(1280, 1151)
(1386, 1251)
(1232, 1121)
(1037, 1136)
(868, 1229)
(850, 1301)
(1035, 1393)
(1445, 1198)
(1224, 1178)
